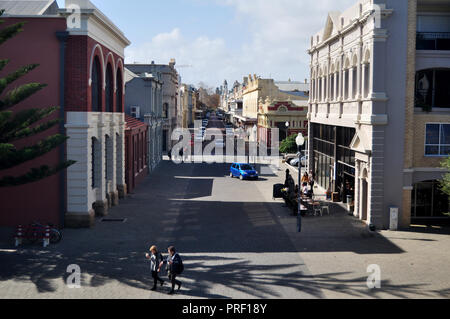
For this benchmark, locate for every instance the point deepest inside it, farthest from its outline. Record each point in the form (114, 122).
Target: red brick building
(136, 152)
(82, 63)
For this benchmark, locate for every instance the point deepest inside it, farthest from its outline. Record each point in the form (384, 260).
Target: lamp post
(300, 141)
(287, 124)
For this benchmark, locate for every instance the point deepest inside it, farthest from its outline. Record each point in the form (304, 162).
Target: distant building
(188, 99)
(136, 151)
(144, 101)
(170, 84)
(261, 106)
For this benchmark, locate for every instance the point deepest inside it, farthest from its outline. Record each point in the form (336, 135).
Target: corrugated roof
(29, 7)
(300, 103)
(296, 93)
(132, 123)
(289, 86)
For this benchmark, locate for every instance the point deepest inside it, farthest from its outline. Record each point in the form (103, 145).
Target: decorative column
(80, 213)
(101, 203)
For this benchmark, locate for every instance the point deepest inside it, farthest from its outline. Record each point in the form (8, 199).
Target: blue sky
(226, 39)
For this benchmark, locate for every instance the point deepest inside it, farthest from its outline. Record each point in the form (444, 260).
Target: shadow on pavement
(161, 212)
(258, 281)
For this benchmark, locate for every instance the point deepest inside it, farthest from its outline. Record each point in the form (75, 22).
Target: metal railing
(433, 41)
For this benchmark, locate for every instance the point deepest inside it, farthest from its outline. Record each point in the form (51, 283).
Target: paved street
(237, 243)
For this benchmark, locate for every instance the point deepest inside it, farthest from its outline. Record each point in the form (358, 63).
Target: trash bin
(349, 202)
(393, 218)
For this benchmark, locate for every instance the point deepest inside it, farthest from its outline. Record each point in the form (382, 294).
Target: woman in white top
(156, 262)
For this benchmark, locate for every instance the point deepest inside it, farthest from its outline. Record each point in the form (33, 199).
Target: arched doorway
(109, 165)
(95, 163)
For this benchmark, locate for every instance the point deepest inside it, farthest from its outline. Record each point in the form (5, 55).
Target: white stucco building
(368, 133)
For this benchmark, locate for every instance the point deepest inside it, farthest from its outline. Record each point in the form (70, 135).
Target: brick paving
(237, 242)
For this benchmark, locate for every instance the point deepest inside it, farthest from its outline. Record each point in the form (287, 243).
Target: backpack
(178, 267)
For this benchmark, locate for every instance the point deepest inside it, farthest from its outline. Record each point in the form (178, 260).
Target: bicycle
(36, 231)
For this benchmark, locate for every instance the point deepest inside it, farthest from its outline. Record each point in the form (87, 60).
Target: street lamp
(287, 124)
(300, 141)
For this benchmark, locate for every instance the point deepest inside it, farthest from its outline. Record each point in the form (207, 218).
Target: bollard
(19, 235)
(46, 240)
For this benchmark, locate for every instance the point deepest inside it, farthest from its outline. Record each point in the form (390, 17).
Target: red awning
(132, 123)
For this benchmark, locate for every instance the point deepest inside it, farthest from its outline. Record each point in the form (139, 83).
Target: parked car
(294, 162)
(243, 171)
(304, 161)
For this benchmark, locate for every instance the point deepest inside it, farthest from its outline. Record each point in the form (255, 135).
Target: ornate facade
(362, 82)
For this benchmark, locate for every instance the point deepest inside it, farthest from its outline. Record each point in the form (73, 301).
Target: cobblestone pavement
(236, 241)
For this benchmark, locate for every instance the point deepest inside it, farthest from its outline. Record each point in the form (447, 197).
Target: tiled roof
(29, 7)
(132, 123)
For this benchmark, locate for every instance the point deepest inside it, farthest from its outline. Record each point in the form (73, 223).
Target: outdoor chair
(317, 209)
(326, 208)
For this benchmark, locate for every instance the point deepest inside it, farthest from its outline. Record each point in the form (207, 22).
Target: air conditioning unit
(136, 112)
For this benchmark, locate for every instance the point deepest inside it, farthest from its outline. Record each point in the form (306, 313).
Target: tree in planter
(22, 124)
(289, 145)
(445, 183)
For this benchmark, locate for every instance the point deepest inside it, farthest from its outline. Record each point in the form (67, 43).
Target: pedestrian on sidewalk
(174, 268)
(305, 178)
(156, 262)
(312, 181)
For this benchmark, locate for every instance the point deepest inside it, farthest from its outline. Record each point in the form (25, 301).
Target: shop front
(429, 202)
(334, 160)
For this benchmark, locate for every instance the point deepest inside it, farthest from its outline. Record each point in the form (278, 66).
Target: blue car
(243, 171)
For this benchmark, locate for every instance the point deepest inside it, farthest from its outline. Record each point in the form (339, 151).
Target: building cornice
(349, 28)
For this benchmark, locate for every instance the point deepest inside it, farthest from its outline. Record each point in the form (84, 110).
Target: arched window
(96, 86)
(332, 87)
(366, 80)
(338, 82)
(119, 91)
(367, 75)
(346, 84)
(109, 89)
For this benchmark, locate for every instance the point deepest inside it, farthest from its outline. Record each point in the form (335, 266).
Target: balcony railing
(433, 41)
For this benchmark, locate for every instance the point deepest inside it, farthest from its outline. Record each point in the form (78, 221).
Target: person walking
(312, 181)
(174, 268)
(156, 262)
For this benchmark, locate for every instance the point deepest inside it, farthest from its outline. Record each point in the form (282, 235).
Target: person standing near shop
(312, 181)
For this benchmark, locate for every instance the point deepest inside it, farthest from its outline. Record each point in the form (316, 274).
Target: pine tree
(22, 124)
